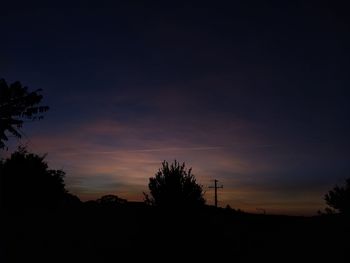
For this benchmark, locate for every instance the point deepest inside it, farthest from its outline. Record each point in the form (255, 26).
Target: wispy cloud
(168, 149)
(109, 156)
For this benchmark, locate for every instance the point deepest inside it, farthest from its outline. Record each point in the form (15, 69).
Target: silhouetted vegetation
(16, 105)
(339, 198)
(70, 201)
(111, 228)
(28, 184)
(111, 201)
(174, 186)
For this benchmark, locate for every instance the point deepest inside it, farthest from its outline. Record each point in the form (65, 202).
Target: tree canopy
(339, 198)
(28, 183)
(16, 105)
(111, 201)
(174, 186)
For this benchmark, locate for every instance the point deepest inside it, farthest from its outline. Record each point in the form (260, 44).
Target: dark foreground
(141, 233)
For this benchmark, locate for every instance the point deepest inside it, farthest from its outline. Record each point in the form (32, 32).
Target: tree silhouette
(174, 186)
(16, 105)
(339, 198)
(27, 183)
(111, 201)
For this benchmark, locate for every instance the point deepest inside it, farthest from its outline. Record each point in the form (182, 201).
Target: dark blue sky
(253, 94)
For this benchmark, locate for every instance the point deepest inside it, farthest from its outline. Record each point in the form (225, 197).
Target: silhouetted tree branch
(16, 105)
(339, 198)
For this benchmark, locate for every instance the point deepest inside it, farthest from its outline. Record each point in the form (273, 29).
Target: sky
(255, 95)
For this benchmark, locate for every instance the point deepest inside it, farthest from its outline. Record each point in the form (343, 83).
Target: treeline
(28, 184)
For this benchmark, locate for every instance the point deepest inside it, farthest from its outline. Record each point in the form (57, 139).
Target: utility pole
(216, 191)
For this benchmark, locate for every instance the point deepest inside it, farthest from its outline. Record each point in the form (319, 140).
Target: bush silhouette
(27, 183)
(174, 186)
(17, 104)
(339, 198)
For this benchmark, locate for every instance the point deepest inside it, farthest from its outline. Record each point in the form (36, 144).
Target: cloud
(123, 152)
(118, 156)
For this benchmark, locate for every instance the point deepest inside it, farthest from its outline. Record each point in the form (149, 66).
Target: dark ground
(148, 234)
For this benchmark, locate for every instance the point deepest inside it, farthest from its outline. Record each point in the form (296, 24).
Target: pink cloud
(108, 156)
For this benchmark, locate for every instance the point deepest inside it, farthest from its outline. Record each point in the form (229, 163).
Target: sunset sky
(254, 95)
